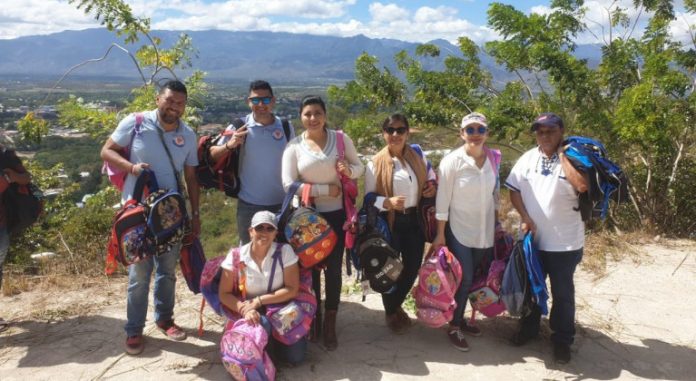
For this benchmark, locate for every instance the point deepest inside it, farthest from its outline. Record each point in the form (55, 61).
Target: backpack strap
(285, 209)
(340, 145)
(277, 257)
(306, 194)
(146, 178)
(179, 186)
(286, 128)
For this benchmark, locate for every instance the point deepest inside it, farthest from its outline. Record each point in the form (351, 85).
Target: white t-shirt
(465, 198)
(257, 278)
(551, 201)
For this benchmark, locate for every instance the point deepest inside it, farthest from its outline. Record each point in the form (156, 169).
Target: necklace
(548, 164)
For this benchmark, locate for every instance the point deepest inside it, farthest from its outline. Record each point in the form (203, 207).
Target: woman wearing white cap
(257, 256)
(466, 211)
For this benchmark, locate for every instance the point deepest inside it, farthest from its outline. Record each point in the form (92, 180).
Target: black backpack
(23, 203)
(223, 174)
(379, 263)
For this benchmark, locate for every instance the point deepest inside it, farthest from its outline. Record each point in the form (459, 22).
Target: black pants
(408, 239)
(332, 272)
(560, 266)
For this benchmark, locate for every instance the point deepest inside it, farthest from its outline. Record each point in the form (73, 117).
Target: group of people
(543, 186)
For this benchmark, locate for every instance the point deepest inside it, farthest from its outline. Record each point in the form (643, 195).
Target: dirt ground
(635, 322)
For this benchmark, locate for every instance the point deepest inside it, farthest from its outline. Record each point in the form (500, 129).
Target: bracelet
(228, 148)
(259, 299)
(132, 168)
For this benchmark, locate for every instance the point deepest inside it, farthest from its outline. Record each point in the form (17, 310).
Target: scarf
(384, 174)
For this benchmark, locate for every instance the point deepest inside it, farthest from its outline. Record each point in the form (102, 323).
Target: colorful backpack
(515, 290)
(350, 192)
(426, 205)
(242, 349)
(438, 280)
(165, 214)
(607, 181)
(485, 290)
(23, 203)
(117, 177)
(222, 174)
(192, 261)
(290, 321)
(305, 229)
(210, 284)
(365, 226)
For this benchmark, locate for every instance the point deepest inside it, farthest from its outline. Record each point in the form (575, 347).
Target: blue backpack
(607, 181)
(515, 289)
(369, 222)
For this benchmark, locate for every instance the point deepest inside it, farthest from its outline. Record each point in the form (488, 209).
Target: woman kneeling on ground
(257, 255)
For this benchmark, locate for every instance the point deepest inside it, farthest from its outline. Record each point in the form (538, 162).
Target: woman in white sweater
(466, 211)
(312, 158)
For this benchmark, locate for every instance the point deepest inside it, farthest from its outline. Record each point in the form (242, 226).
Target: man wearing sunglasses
(544, 188)
(259, 140)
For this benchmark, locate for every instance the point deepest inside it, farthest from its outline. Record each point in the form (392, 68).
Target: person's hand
(343, 168)
(252, 317)
(528, 225)
(396, 203)
(238, 138)
(247, 306)
(429, 189)
(334, 190)
(438, 241)
(138, 168)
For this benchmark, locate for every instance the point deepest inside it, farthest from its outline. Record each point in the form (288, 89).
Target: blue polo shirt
(148, 148)
(260, 162)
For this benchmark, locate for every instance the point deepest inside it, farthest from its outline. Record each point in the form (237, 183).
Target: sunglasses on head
(257, 100)
(264, 228)
(398, 130)
(471, 130)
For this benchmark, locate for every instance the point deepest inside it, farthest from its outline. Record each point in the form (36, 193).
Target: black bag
(23, 203)
(223, 174)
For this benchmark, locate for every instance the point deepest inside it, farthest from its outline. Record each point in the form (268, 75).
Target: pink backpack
(485, 291)
(117, 177)
(290, 321)
(242, 350)
(350, 192)
(438, 280)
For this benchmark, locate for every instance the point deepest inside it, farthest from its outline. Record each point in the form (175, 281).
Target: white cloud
(540, 10)
(382, 13)
(28, 17)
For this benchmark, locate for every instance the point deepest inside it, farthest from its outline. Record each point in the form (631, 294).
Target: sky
(408, 20)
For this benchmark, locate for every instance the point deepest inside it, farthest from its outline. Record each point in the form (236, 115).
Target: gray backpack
(515, 290)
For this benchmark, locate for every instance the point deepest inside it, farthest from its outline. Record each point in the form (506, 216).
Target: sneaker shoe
(135, 345)
(394, 323)
(457, 339)
(172, 330)
(470, 330)
(561, 353)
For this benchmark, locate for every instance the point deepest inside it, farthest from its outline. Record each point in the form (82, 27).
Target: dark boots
(315, 328)
(330, 340)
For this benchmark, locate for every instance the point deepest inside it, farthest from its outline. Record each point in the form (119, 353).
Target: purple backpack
(438, 280)
(484, 294)
(291, 320)
(242, 350)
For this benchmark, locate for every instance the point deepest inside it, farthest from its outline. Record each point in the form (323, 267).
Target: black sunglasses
(392, 130)
(256, 100)
(264, 228)
(471, 130)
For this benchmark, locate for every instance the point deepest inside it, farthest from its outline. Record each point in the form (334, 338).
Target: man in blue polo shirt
(544, 188)
(261, 141)
(156, 128)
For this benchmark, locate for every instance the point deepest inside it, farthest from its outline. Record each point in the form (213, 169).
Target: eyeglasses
(256, 100)
(264, 228)
(471, 130)
(398, 130)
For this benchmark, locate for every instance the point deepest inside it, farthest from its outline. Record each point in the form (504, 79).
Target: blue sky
(409, 20)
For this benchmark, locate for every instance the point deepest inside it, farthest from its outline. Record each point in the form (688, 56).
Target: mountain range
(224, 55)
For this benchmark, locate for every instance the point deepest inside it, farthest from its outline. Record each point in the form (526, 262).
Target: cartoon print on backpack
(170, 213)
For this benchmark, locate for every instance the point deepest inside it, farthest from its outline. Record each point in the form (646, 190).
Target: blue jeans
(560, 266)
(470, 259)
(245, 212)
(293, 354)
(4, 247)
(139, 287)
